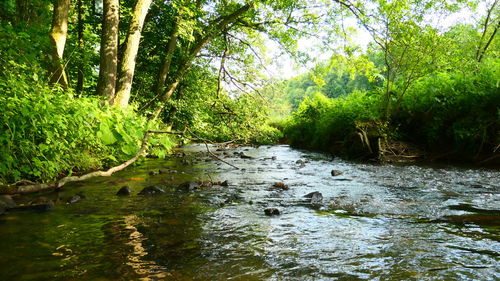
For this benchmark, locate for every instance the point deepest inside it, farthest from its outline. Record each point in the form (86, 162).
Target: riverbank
(374, 221)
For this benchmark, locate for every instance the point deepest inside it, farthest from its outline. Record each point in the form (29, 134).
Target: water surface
(377, 222)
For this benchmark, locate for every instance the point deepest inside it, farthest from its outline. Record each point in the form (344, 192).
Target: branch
(211, 153)
(25, 189)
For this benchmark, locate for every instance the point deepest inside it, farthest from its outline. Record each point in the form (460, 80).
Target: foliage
(320, 121)
(454, 108)
(48, 133)
(218, 116)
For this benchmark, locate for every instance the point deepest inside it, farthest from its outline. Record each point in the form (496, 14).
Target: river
(375, 222)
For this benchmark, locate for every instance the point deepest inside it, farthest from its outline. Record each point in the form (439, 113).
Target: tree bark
(80, 66)
(127, 66)
(165, 68)
(58, 35)
(106, 84)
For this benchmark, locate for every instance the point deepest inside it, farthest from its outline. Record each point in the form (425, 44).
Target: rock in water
(167, 171)
(151, 190)
(272, 212)
(39, 208)
(7, 202)
(336, 173)
(224, 183)
(317, 198)
(76, 198)
(243, 156)
(189, 186)
(124, 191)
(281, 185)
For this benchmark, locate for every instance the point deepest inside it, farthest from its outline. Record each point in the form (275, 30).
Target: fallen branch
(25, 189)
(210, 152)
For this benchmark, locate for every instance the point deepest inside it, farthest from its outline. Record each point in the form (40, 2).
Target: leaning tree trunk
(165, 68)
(198, 45)
(58, 36)
(127, 65)
(81, 77)
(109, 50)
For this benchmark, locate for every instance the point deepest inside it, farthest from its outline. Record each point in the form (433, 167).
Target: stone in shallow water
(151, 190)
(124, 191)
(281, 185)
(39, 208)
(189, 186)
(336, 173)
(167, 171)
(76, 198)
(7, 202)
(316, 197)
(272, 212)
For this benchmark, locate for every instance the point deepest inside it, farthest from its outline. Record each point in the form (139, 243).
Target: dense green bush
(47, 133)
(455, 108)
(321, 121)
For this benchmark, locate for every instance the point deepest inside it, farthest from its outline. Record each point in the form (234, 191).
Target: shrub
(320, 121)
(45, 134)
(454, 108)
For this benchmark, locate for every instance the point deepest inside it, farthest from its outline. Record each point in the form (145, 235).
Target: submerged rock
(153, 173)
(76, 198)
(336, 173)
(167, 171)
(244, 156)
(124, 191)
(316, 197)
(7, 202)
(151, 190)
(272, 212)
(281, 185)
(39, 208)
(189, 186)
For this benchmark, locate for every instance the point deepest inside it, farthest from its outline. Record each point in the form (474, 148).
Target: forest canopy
(82, 81)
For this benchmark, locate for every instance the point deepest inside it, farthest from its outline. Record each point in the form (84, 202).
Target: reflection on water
(376, 222)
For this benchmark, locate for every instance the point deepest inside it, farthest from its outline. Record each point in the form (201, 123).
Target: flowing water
(376, 222)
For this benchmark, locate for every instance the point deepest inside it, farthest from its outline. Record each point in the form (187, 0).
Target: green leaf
(106, 135)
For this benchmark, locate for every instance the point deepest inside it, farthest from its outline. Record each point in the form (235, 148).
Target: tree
(80, 65)
(211, 30)
(58, 35)
(127, 64)
(109, 50)
(408, 46)
(490, 28)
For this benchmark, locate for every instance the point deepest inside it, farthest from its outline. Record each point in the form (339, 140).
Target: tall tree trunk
(165, 68)
(127, 65)
(80, 66)
(58, 36)
(109, 50)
